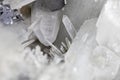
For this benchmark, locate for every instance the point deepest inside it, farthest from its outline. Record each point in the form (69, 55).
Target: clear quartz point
(48, 27)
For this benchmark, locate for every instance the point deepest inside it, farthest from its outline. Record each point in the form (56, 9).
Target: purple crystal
(7, 15)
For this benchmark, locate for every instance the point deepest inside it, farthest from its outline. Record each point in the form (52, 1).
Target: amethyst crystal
(8, 15)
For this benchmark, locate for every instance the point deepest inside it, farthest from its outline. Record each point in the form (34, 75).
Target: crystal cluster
(48, 46)
(8, 15)
(109, 27)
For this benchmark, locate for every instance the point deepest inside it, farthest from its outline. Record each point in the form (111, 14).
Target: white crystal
(48, 27)
(108, 26)
(69, 26)
(86, 60)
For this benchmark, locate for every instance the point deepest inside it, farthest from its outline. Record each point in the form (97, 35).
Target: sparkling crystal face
(8, 15)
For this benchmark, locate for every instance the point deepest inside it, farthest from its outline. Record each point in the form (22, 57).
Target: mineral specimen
(108, 26)
(81, 58)
(48, 27)
(7, 15)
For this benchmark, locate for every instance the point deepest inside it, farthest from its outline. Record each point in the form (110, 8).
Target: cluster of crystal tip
(8, 15)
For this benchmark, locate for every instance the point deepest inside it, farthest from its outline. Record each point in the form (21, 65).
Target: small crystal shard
(86, 58)
(69, 26)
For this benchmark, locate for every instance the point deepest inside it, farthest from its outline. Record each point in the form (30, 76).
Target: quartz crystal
(48, 44)
(47, 28)
(69, 27)
(108, 26)
(86, 60)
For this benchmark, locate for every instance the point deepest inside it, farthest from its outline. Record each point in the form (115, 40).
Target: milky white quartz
(10, 53)
(108, 26)
(17, 63)
(89, 57)
(86, 60)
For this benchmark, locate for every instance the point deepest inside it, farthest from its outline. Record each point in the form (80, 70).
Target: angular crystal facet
(48, 27)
